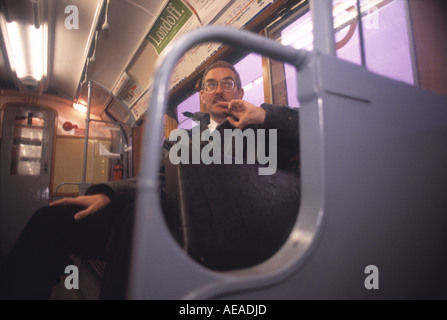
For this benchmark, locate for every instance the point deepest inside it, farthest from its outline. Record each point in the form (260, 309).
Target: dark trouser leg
(42, 251)
(115, 278)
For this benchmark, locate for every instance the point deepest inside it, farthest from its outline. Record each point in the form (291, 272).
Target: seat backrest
(227, 216)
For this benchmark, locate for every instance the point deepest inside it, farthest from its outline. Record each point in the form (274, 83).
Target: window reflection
(27, 146)
(387, 48)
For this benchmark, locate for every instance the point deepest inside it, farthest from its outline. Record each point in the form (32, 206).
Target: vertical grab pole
(361, 38)
(87, 126)
(323, 25)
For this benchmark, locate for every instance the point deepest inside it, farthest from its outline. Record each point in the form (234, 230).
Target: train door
(26, 159)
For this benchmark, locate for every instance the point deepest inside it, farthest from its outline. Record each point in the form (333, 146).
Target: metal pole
(87, 126)
(361, 39)
(323, 25)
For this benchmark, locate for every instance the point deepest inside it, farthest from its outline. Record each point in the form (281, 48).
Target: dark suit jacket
(282, 118)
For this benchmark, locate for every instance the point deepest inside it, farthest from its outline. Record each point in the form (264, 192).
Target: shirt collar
(212, 126)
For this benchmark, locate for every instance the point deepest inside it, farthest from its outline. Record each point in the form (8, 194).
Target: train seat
(227, 216)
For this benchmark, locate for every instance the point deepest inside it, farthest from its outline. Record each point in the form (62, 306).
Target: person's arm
(282, 118)
(243, 114)
(99, 196)
(286, 121)
(114, 189)
(92, 204)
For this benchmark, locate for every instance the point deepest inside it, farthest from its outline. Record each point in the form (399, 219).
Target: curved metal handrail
(148, 209)
(81, 187)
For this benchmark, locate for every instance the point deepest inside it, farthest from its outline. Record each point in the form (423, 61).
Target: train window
(250, 69)
(188, 106)
(103, 139)
(27, 146)
(346, 32)
(295, 31)
(387, 42)
(385, 47)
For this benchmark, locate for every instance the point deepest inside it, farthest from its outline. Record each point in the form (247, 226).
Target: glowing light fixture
(26, 43)
(80, 107)
(28, 50)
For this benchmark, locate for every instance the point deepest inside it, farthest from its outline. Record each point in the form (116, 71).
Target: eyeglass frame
(219, 82)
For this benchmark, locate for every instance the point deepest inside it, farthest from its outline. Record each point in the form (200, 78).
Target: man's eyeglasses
(211, 85)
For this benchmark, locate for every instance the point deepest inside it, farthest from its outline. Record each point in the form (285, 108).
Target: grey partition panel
(382, 164)
(372, 218)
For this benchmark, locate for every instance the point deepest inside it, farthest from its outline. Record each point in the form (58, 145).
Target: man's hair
(223, 64)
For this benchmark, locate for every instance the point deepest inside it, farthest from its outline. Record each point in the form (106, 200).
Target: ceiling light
(80, 107)
(26, 44)
(27, 50)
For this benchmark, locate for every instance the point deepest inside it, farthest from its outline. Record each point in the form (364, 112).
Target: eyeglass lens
(226, 84)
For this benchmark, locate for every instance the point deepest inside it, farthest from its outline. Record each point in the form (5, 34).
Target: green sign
(171, 20)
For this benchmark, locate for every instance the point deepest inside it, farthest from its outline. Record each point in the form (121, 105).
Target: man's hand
(92, 203)
(245, 114)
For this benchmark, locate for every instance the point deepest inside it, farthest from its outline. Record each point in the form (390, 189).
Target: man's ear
(241, 93)
(201, 97)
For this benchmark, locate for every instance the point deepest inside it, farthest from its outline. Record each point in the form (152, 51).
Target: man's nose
(219, 88)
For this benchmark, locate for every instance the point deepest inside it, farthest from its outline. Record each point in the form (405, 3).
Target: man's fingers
(236, 105)
(240, 124)
(82, 214)
(91, 203)
(233, 122)
(64, 202)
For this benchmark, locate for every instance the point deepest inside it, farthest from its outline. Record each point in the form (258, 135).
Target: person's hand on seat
(92, 203)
